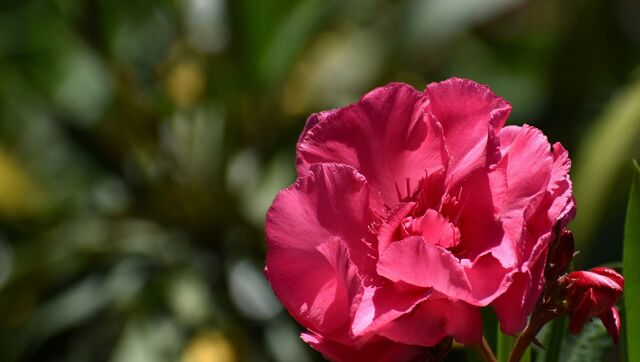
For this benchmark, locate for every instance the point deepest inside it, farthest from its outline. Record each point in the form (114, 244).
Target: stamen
(408, 187)
(398, 192)
(462, 205)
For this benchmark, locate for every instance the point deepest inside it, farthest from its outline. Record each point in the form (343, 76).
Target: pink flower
(591, 294)
(411, 212)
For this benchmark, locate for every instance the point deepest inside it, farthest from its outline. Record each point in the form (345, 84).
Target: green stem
(554, 340)
(484, 350)
(538, 320)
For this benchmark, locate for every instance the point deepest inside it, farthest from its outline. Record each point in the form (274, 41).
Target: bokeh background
(141, 143)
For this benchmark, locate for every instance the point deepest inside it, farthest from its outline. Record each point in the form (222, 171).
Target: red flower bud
(591, 294)
(561, 255)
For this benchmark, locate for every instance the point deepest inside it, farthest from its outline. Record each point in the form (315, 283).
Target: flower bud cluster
(581, 295)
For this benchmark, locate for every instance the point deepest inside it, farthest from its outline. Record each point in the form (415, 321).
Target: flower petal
(314, 231)
(316, 287)
(333, 200)
(611, 320)
(383, 302)
(386, 136)
(380, 350)
(416, 262)
(437, 230)
(466, 110)
(434, 319)
(517, 302)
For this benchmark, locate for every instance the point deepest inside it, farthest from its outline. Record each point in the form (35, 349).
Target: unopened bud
(560, 255)
(591, 294)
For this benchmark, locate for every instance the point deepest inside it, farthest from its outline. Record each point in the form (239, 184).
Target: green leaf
(553, 342)
(605, 150)
(490, 328)
(631, 268)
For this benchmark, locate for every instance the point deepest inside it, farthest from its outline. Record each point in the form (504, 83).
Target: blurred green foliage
(142, 142)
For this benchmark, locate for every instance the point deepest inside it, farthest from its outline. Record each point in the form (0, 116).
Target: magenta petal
(333, 200)
(404, 261)
(466, 110)
(314, 231)
(437, 230)
(488, 278)
(380, 350)
(527, 163)
(611, 320)
(315, 288)
(515, 305)
(521, 176)
(476, 216)
(509, 308)
(386, 136)
(382, 303)
(434, 319)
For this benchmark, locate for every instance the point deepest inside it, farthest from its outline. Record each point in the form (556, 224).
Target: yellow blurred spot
(186, 83)
(209, 346)
(20, 196)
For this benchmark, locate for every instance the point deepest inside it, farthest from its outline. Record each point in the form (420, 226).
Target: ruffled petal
(434, 319)
(386, 136)
(333, 200)
(544, 211)
(383, 302)
(314, 231)
(416, 262)
(466, 110)
(515, 305)
(316, 287)
(476, 216)
(437, 230)
(521, 176)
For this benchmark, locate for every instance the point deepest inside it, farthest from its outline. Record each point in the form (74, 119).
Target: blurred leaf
(631, 269)
(83, 73)
(258, 191)
(290, 38)
(553, 342)
(6, 262)
(505, 345)
(589, 346)
(149, 340)
(189, 297)
(75, 305)
(251, 292)
(337, 69)
(436, 21)
(206, 24)
(602, 154)
(284, 342)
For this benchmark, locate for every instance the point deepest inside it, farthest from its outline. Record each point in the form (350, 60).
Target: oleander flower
(411, 211)
(590, 294)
